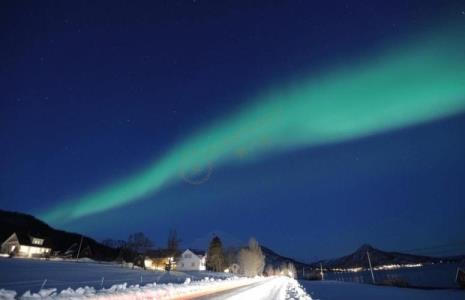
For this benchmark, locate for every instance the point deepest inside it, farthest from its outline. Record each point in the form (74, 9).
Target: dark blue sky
(94, 92)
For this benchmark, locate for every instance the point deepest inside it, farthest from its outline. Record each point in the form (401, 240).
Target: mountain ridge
(59, 240)
(359, 258)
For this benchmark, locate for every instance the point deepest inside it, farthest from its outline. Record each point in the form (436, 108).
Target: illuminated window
(36, 241)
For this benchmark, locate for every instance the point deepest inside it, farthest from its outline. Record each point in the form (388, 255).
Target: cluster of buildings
(28, 246)
(189, 260)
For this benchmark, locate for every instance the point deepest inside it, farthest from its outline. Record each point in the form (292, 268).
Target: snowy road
(274, 288)
(268, 289)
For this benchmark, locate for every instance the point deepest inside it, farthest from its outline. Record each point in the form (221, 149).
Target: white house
(25, 245)
(191, 260)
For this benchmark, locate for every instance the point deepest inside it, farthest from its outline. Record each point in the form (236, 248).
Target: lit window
(36, 241)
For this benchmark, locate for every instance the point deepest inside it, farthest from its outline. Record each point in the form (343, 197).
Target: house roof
(26, 240)
(159, 253)
(197, 252)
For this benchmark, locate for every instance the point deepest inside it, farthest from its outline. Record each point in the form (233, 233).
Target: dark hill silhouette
(58, 240)
(380, 257)
(276, 260)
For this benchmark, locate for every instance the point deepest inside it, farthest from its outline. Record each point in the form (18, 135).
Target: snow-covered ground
(334, 290)
(22, 275)
(23, 279)
(233, 288)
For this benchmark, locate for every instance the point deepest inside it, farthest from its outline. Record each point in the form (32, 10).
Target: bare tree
(251, 259)
(270, 271)
(139, 243)
(288, 269)
(116, 244)
(173, 241)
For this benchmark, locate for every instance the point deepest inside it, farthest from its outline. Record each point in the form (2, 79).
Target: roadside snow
(148, 291)
(295, 291)
(6, 294)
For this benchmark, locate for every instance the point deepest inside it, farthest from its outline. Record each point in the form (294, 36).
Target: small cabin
(161, 259)
(191, 260)
(25, 246)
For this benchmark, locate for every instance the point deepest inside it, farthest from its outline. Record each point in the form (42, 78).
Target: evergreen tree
(215, 256)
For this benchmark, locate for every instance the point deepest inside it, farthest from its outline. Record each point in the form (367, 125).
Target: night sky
(315, 127)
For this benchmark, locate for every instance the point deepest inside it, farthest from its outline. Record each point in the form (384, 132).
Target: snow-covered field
(22, 275)
(334, 290)
(33, 279)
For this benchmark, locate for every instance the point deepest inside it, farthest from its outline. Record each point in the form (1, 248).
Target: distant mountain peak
(365, 248)
(379, 257)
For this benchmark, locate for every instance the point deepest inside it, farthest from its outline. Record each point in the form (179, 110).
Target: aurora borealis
(314, 126)
(401, 87)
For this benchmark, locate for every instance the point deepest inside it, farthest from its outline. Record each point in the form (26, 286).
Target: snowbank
(295, 291)
(148, 291)
(6, 294)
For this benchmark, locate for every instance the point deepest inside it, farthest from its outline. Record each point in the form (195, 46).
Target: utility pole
(79, 250)
(371, 268)
(321, 272)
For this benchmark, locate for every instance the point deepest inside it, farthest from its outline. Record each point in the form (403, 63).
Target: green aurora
(420, 81)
